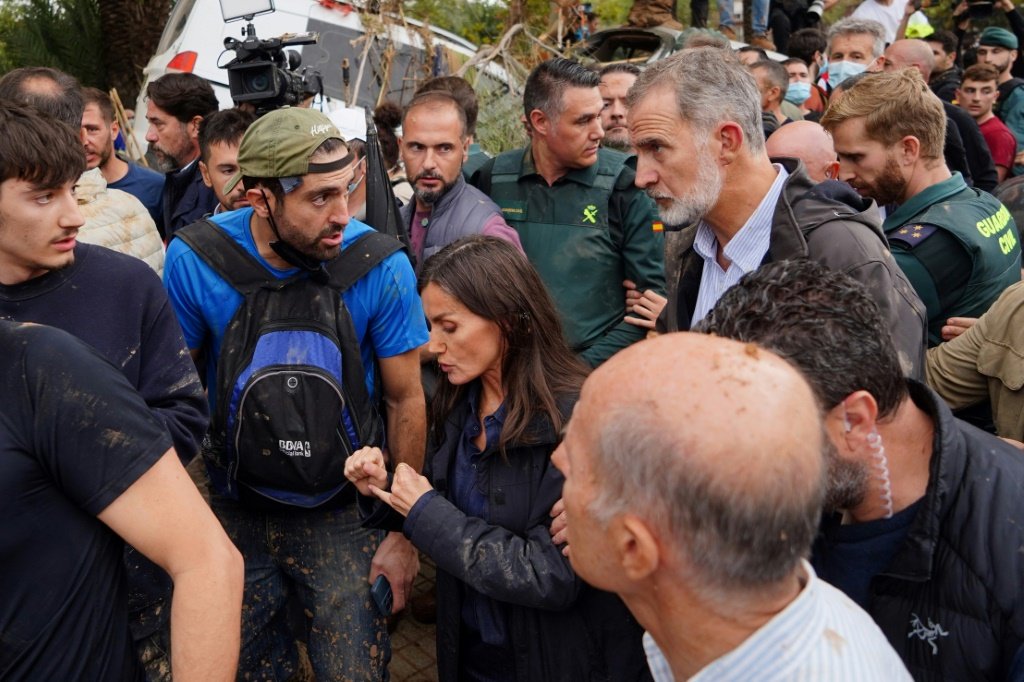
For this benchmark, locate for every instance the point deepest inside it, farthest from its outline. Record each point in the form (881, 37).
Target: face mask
(840, 71)
(798, 93)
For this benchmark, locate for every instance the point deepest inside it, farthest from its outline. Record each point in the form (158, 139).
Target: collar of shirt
(745, 251)
(583, 176)
(473, 398)
(940, 191)
(769, 652)
(748, 246)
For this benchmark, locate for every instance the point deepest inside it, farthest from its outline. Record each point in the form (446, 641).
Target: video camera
(263, 73)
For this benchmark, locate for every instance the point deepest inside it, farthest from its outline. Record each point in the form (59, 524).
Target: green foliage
(63, 34)
(613, 13)
(482, 22)
(478, 22)
(498, 127)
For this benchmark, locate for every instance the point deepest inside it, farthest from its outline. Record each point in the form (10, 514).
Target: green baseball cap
(994, 36)
(280, 143)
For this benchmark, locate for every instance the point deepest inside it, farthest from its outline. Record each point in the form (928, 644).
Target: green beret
(995, 36)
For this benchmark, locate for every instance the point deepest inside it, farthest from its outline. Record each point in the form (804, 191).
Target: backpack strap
(359, 257)
(227, 257)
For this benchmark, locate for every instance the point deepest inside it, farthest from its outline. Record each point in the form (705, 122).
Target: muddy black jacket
(951, 602)
(559, 627)
(833, 225)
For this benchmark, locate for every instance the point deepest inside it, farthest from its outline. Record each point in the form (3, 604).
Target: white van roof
(193, 40)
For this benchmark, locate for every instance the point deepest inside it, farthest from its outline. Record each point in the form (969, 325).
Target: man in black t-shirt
(83, 461)
(112, 301)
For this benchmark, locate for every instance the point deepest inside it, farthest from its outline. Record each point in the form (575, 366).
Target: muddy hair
(37, 147)
(821, 320)
(538, 370)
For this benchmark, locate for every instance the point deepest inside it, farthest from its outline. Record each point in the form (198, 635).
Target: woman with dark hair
(388, 117)
(508, 601)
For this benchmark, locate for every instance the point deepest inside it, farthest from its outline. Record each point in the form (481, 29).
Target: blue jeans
(323, 559)
(758, 18)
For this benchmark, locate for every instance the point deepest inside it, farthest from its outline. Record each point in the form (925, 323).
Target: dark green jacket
(959, 248)
(585, 234)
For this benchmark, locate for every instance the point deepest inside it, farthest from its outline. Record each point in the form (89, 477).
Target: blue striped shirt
(822, 636)
(745, 250)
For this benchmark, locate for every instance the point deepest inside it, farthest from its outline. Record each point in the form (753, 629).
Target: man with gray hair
(704, 532)
(854, 46)
(695, 120)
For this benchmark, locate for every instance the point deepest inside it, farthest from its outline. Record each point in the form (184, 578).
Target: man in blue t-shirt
(296, 167)
(98, 132)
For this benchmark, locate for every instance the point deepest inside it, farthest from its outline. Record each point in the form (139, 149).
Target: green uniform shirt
(959, 248)
(585, 234)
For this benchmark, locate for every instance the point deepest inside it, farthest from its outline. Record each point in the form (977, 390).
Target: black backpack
(292, 402)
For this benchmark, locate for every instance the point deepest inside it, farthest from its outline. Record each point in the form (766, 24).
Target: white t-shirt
(888, 16)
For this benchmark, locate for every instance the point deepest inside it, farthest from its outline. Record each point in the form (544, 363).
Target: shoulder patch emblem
(911, 235)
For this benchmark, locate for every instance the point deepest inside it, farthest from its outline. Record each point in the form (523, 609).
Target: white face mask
(840, 71)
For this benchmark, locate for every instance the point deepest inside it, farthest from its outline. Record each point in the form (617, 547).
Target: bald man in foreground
(704, 531)
(807, 141)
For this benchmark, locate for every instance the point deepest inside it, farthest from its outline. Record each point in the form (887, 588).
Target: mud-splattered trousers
(323, 558)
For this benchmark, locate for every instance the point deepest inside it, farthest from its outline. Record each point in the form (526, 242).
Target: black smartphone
(382, 596)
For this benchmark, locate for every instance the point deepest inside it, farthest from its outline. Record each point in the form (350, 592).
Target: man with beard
(998, 47)
(434, 145)
(177, 104)
(957, 245)
(695, 120)
(99, 130)
(296, 168)
(582, 223)
(923, 510)
(975, 163)
(616, 80)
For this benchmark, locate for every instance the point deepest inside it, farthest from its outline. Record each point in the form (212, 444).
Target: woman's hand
(365, 468)
(406, 489)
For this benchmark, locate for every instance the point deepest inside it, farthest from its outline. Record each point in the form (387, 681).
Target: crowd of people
(720, 377)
